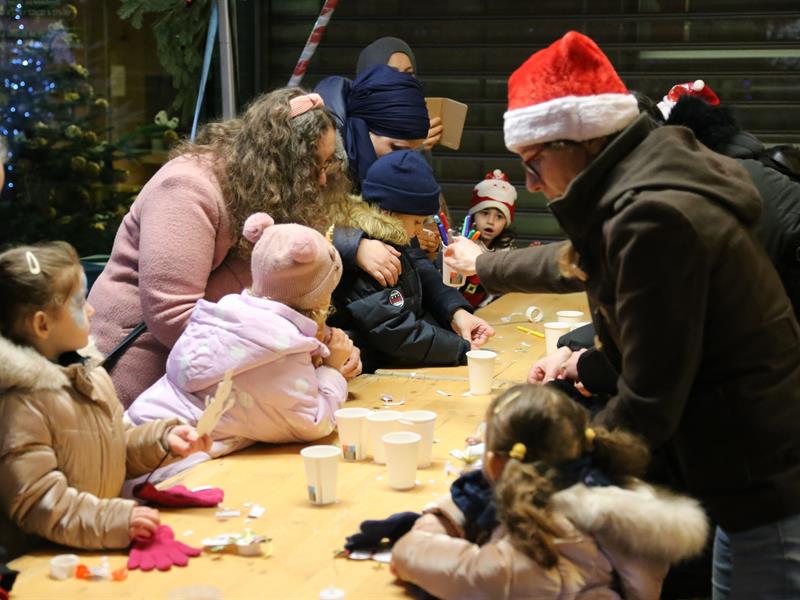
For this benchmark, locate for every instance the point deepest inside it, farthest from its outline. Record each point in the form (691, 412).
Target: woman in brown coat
(64, 451)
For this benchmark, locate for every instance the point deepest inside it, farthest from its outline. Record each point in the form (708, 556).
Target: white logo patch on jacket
(396, 299)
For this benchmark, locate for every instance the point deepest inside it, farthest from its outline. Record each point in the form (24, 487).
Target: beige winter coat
(635, 532)
(64, 454)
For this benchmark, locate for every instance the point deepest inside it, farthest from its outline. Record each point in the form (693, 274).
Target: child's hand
(473, 329)
(352, 366)
(143, 523)
(550, 367)
(429, 240)
(183, 441)
(340, 347)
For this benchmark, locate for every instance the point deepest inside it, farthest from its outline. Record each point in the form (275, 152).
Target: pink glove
(178, 496)
(160, 551)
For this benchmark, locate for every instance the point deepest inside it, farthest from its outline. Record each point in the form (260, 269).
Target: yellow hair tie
(590, 434)
(518, 451)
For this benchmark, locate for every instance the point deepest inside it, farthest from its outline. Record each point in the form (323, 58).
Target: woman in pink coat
(286, 383)
(181, 241)
(566, 518)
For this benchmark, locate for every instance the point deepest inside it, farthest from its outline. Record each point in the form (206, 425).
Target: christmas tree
(61, 182)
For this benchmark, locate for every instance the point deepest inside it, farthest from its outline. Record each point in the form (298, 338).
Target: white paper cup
(379, 423)
(402, 450)
(352, 426)
(481, 371)
(534, 314)
(322, 463)
(569, 316)
(422, 422)
(449, 277)
(553, 331)
(63, 566)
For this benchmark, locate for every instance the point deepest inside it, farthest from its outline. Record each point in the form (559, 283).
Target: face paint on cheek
(78, 302)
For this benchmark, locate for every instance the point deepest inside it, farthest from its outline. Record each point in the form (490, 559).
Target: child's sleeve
(38, 497)
(146, 445)
(400, 334)
(450, 567)
(346, 241)
(440, 300)
(332, 394)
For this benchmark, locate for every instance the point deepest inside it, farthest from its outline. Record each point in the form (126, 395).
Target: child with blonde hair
(64, 451)
(286, 378)
(565, 516)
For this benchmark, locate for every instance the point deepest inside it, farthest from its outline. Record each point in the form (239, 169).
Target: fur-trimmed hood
(353, 211)
(24, 368)
(638, 521)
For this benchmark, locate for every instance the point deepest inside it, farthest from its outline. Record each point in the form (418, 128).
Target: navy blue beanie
(402, 182)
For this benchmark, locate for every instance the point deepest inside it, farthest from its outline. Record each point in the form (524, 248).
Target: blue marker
(442, 232)
(467, 223)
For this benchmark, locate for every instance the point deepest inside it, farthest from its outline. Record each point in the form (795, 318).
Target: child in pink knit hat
(286, 382)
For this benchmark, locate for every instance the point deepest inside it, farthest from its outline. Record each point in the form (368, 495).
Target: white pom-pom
(698, 85)
(255, 225)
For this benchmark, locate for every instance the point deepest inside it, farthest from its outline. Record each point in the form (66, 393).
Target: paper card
(223, 401)
(453, 115)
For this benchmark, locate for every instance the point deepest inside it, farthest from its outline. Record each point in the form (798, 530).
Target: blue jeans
(758, 564)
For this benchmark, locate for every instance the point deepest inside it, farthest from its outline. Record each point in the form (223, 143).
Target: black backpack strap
(120, 349)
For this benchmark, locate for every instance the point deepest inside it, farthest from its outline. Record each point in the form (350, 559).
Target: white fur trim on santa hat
(490, 203)
(576, 118)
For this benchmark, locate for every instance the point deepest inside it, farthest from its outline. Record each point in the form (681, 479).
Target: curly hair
(552, 427)
(25, 289)
(265, 160)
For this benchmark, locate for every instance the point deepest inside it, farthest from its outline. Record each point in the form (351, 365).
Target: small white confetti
(227, 514)
(202, 488)
(524, 344)
(436, 440)
(465, 394)
(188, 532)
(379, 478)
(417, 482)
(256, 511)
(443, 393)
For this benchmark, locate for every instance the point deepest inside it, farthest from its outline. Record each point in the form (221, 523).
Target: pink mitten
(160, 551)
(178, 496)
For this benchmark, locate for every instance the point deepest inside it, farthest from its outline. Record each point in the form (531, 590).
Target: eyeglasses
(330, 165)
(554, 145)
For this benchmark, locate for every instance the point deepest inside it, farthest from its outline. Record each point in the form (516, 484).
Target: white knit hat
(495, 192)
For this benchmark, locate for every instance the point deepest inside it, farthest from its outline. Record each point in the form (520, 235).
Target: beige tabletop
(306, 537)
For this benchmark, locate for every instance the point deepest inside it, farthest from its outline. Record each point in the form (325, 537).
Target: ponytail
(523, 494)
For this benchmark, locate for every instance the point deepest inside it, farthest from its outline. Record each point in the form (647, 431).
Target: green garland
(180, 37)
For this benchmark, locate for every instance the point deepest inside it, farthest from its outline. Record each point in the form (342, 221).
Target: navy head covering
(385, 102)
(402, 182)
(380, 51)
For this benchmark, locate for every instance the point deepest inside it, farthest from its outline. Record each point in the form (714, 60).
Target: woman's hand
(379, 260)
(550, 367)
(473, 329)
(461, 255)
(340, 346)
(183, 441)
(434, 133)
(143, 523)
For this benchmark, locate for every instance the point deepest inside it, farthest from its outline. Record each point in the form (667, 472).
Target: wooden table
(305, 537)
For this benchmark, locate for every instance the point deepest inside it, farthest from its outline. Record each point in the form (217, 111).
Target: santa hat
(291, 264)
(495, 192)
(697, 88)
(568, 91)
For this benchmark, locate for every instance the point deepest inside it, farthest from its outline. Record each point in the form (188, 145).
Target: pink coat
(280, 395)
(634, 532)
(171, 250)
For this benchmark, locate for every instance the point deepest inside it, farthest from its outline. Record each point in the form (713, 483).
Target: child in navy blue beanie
(419, 321)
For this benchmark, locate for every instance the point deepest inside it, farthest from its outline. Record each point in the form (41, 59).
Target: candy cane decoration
(312, 43)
